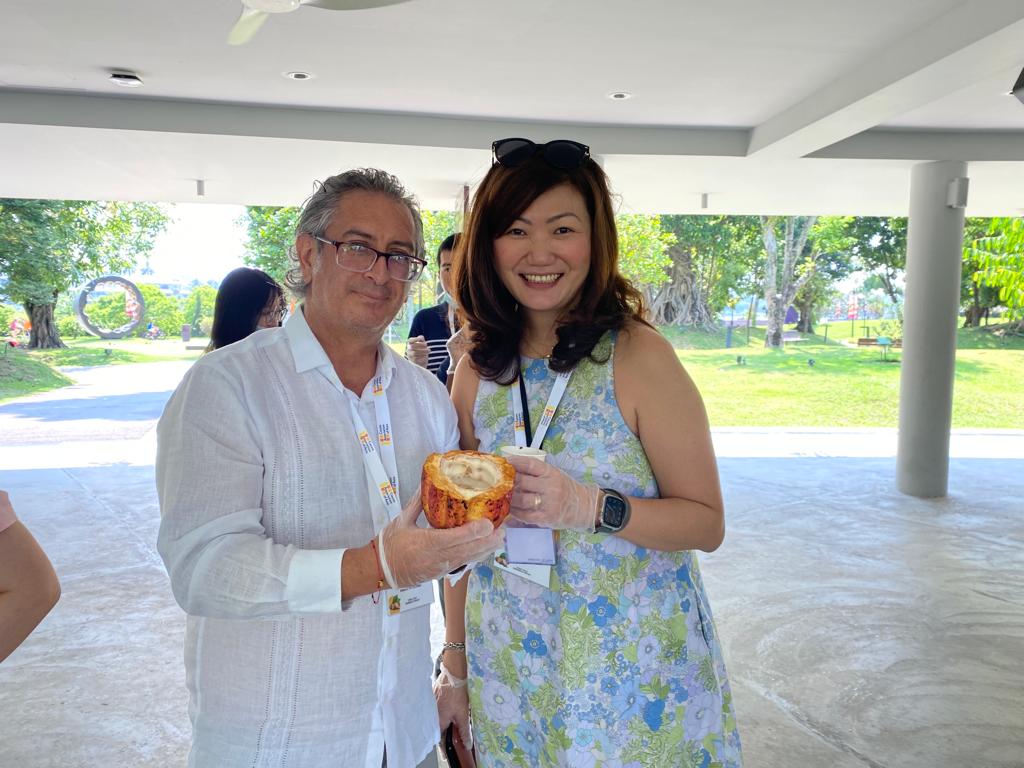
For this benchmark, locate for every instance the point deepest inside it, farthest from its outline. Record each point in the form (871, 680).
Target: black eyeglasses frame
(413, 260)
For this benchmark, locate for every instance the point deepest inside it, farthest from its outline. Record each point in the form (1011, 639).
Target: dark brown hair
(606, 299)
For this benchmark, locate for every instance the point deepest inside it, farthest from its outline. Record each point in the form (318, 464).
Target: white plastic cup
(532, 453)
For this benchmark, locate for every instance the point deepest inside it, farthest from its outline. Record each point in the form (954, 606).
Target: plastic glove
(564, 503)
(452, 697)
(410, 555)
(417, 351)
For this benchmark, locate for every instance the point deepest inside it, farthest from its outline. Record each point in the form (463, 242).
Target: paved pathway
(861, 627)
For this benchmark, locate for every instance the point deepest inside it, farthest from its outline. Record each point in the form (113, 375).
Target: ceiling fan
(255, 12)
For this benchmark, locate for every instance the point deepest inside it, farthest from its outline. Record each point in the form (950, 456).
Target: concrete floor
(861, 627)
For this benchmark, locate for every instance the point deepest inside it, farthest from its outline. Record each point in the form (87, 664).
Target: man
(432, 327)
(281, 526)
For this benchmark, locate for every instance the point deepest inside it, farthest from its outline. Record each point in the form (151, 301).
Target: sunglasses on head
(563, 154)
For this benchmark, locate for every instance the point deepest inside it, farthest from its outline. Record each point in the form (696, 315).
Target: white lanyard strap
(519, 421)
(382, 465)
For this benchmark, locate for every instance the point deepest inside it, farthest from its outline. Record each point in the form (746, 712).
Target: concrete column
(932, 300)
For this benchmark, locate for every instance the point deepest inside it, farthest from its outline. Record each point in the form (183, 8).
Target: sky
(203, 241)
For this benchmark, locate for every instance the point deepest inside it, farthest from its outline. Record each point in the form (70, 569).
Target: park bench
(872, 342)
(792, 337)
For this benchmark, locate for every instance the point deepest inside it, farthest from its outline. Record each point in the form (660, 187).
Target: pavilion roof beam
(953, 51)
(972, 146)
(196, 117)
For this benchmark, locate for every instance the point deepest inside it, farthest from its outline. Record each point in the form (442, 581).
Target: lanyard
(519, 414)
(382, 465)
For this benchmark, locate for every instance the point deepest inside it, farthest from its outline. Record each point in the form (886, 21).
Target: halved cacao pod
(459, 486)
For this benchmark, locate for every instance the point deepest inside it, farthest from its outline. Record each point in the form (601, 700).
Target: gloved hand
(417, 351)
(452, 697)
(410, 555)
(546, 496)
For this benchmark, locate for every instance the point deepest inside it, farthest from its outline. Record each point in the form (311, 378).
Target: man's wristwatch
(612, 512)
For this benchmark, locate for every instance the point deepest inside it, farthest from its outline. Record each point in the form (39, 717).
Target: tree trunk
(680, 301)
(780, 282)
(972, 317)
(776, 318)
(806, 322)
(44, 329)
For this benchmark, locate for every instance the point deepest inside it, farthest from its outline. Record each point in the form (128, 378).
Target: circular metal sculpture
(134, 307)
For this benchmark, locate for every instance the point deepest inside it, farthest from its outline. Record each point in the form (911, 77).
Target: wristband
(389, 579)
(460, 647)
(375, 596)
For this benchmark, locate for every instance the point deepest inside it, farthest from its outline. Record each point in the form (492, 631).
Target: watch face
(614, 513)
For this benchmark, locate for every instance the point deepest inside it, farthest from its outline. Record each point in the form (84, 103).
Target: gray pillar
(932, 301)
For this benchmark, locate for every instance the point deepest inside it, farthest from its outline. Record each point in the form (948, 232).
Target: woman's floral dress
(618, 664)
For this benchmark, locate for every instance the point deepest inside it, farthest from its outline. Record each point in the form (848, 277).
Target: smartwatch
(613, 512)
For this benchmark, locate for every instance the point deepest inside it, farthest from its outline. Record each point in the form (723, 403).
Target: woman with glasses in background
(248, 300)
(608, 656)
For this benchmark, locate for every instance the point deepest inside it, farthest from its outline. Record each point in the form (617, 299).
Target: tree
(828, 268)
(789, 265)
(198, 308)
(161, 310)
(880, 246)
(46, 246)
(271, 233)
(977, 297)
(1000, 259)
(643, 250)
(437, 225)
(709, 260)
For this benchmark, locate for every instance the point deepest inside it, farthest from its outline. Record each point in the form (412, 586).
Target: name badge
(538, 574)
(529, 545)
(409, 598)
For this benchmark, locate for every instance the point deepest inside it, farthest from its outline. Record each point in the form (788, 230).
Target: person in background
(432, 327)
(611, 656)
(248, 300)
(28, 585)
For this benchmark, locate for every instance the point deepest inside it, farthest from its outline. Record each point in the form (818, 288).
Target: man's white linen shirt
(262, 487)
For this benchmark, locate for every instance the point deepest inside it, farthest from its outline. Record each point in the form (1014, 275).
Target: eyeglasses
(356, 257)
(273, 316)
(563, 154)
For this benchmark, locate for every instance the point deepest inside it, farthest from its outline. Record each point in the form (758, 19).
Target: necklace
(532, 350)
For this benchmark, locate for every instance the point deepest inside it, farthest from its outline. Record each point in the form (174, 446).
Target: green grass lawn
(91, 351)
(846, 387)
(24, 372)
(21, 374)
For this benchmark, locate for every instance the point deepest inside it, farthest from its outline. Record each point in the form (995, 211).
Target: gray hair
(319, 209)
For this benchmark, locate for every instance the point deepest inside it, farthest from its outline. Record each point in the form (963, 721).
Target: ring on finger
(536, 501)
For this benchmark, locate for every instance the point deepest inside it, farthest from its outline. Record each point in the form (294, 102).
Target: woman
(612, 659)
(248, 299)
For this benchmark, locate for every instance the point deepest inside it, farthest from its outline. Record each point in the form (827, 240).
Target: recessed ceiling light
(125, 79)
(620, 95)
(298, 75)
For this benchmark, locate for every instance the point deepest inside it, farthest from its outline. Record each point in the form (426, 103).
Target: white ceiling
(796, 106)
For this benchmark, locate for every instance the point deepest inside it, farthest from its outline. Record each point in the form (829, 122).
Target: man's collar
(309, 354)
